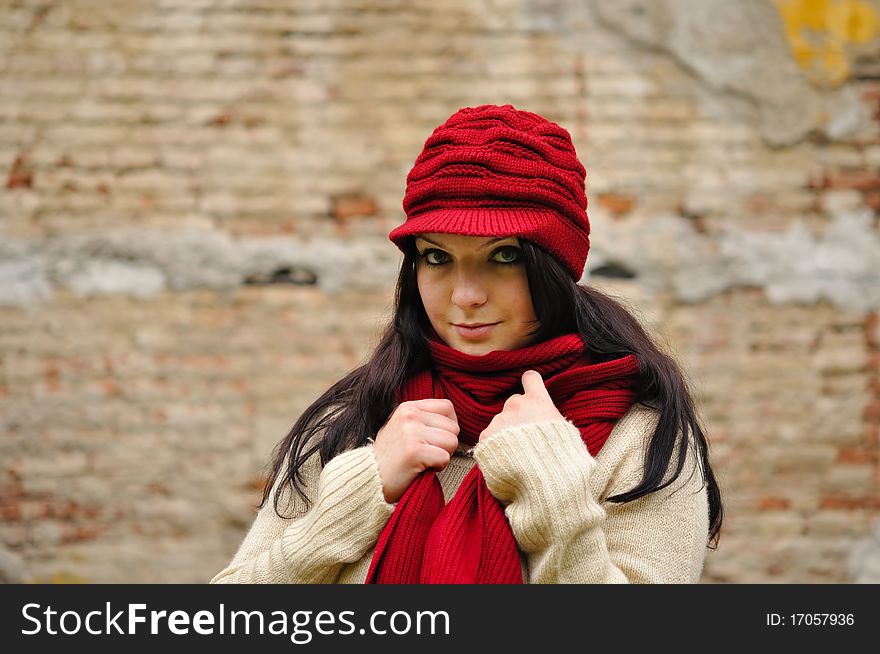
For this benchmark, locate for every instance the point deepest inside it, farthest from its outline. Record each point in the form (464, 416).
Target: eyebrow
(484, 245)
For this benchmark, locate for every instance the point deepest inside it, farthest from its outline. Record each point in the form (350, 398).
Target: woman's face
(466, 280)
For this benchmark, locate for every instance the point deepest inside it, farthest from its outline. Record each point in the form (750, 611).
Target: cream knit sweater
(553, 492)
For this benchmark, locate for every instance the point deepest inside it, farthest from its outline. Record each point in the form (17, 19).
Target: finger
(435, 457)
(532, 382)
(439, 438)
(442, 406)
(440, 421)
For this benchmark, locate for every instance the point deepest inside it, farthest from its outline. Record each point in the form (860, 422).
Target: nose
(468, 291)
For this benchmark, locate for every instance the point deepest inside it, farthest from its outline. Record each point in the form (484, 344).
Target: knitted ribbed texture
(589, 394)
(539, 472)
(498, 171)
(563, 494)
(343, 484)
(469, 540)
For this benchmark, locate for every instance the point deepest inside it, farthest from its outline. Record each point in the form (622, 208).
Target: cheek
(523, 306)
(429, 293)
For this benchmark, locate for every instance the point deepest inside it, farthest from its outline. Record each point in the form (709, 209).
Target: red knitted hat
(499, 171)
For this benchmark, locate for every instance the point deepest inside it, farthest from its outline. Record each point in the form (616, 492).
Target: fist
(420, 434)
(534, 405)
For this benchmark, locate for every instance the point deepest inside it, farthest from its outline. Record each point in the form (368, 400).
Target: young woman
(512, 426)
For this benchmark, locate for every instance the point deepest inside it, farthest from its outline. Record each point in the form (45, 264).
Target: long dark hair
(359, 404)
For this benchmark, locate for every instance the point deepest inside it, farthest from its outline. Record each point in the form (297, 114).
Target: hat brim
(478, 221)
(540, 226)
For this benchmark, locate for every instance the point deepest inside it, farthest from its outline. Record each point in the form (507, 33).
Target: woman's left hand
(534, 405)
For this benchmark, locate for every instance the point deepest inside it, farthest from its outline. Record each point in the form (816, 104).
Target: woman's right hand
(419, 434)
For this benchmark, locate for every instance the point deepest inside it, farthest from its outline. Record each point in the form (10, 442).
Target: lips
(474, 331)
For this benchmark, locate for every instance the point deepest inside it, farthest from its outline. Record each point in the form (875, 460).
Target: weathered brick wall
(193, 247)
(135, 430)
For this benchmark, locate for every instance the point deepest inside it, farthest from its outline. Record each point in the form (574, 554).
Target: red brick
(110, 387)
(70, 510)
(346, 206)
(758, 203)
(774, 569)
(868, 502)
(861, 180)
(871, 92)
(772, 503)
(193, 361)
(37, 508)
(77, 534)
(819, 182)
(258, 483)
(10, 512)
(221, 120)
(156, 488)
(857, 455)
(52, 378)
(20, 175)
(872, 410)
(617, 203)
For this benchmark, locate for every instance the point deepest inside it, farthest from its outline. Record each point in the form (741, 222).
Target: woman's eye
(509, 254)
(427, 254)
(504, 255)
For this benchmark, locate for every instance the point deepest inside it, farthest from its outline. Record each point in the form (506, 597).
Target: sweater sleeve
(344, 521)
(542, 474)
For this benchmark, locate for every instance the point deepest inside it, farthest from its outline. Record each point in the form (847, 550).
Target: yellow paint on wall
(819, 31)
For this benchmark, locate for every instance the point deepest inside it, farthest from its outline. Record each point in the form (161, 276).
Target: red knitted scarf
(469, 539)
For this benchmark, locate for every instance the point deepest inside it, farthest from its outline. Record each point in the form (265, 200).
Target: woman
(512, 425)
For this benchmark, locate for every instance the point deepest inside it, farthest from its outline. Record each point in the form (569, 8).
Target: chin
(477, 349)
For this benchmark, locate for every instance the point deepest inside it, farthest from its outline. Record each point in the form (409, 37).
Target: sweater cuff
(346, 518)
(542, 472)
